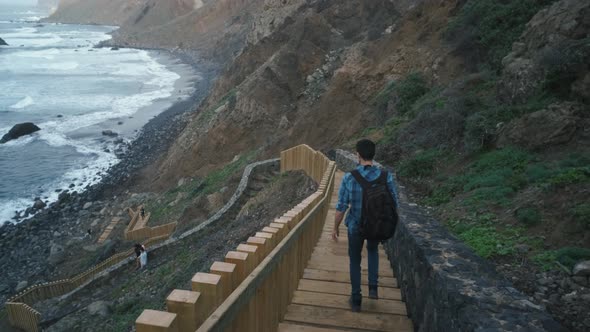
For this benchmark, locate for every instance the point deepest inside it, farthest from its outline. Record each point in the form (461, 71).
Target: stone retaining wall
(445, 285)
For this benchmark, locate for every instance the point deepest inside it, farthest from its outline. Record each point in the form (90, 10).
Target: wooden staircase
(320, 303)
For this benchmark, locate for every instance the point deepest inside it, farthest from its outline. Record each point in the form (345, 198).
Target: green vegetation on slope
(489, 27)
(492, 199)
(170, 206)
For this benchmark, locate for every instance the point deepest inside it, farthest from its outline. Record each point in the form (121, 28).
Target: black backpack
(379, 213)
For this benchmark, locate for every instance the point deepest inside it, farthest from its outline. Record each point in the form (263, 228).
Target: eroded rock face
(543, 47)
(558, 124)
(274, 13)
(19, 130)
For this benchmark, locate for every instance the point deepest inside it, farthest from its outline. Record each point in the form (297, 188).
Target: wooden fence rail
(251, 289)
(149, 232)
(20, 313)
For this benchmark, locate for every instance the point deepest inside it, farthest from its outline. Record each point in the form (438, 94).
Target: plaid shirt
(351, 194)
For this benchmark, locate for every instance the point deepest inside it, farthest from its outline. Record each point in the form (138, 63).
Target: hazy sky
(19, 2)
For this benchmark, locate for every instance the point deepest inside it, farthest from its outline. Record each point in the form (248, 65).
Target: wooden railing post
(156, 321)
(254, 255)
(240, 260)
(228, 276)
(262, 245)
(184, 304)
(209, 286)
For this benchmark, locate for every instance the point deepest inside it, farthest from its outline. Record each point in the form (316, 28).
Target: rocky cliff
(104, 12)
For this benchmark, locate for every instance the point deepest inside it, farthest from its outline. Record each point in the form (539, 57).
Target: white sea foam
(69, 65)
(126, 67)
(9, 207)
(25, 102)
(48, 54)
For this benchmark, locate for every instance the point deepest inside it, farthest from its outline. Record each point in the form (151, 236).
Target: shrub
(479, 131)
(582, 215)
(514, 158)
(538, 173)
(422, 164)
(383, 97)
(409, 90)
(545, 260)
(528, 216)
(569, 256)
(486, 240)
(496, 195)
(489, 27)
(495, 176)
(571, 176)
(444, 192)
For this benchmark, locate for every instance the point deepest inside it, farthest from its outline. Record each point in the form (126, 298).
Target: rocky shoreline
(31, 251)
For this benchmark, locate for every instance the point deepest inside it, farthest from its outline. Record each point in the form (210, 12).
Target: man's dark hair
(366, 149)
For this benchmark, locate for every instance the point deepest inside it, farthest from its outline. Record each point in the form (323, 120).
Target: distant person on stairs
(350, 196)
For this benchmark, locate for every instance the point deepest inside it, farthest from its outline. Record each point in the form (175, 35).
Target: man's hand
(337, 220)
(335, 234)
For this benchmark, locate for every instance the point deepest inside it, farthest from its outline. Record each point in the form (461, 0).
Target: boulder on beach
(109, 133)
(2, 42)
(19, 130)
(114, 48)
(39, 204)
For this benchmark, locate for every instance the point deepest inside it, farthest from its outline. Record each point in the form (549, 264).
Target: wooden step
(384, 271)
(343, 252)
(336, 276)
(335, 318)
(289, 327)
(341, 288)
(344, 259)
(380, 306)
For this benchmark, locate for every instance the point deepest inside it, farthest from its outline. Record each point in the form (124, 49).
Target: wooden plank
(337, 276)
(336, 318)
(344, 289)
(290, 327)
(343, 252)
(381, 306)
(384, 271)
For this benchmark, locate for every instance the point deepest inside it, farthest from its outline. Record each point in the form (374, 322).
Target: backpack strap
(367, 184)
(383, 177)
(360, 179)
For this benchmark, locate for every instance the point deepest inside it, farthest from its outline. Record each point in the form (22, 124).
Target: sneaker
(355, 305)
(373, 294)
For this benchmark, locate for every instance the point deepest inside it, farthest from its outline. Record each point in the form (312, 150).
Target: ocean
(51, 75)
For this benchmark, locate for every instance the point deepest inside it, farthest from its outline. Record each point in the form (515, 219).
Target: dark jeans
(355, 247)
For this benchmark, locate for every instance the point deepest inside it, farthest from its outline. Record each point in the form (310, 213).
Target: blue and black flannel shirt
(351, 194)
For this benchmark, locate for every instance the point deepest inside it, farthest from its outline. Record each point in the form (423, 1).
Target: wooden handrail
(273, 259)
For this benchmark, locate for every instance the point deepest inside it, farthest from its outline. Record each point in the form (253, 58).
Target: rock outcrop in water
(19, 130)
(2, 42)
